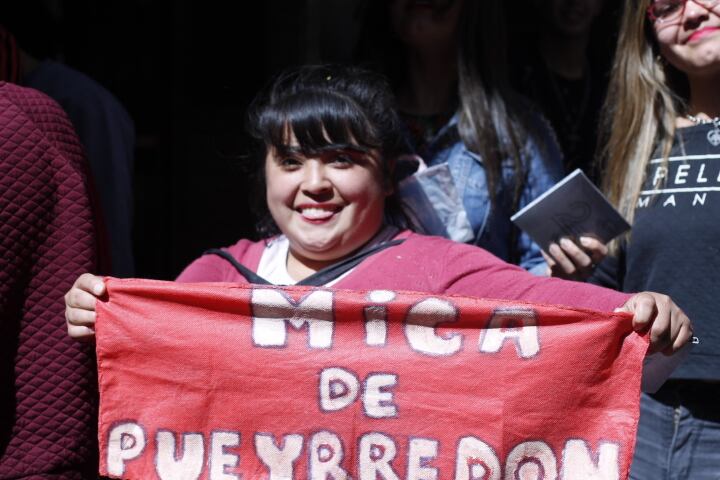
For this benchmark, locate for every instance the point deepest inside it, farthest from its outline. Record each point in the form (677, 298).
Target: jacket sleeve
(48, 389)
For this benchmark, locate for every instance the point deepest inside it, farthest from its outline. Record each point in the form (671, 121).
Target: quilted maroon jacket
(47, 381)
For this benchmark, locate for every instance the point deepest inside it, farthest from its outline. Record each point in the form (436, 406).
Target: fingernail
(98, 289)
(585, 241)
(566, 243)
(554, 249)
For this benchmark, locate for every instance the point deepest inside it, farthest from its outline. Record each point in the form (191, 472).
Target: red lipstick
(702, 33)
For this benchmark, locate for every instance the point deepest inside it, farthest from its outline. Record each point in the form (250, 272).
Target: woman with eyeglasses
(662, 159)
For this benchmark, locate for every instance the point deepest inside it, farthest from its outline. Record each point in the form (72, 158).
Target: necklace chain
(704, 121)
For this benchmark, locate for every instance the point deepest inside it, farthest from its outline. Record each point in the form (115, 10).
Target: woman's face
(327, 205)
(688, 34)
(426, 24)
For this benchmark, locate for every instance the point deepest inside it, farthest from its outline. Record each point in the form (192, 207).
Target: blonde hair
(640, 110)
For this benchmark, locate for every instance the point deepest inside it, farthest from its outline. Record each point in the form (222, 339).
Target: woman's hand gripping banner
(221, 382)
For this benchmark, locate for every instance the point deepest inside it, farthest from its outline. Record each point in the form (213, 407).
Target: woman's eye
(289, 162)
(663, 9)
(343, 160)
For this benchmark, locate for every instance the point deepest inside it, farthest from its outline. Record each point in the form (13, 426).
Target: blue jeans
(679, 433)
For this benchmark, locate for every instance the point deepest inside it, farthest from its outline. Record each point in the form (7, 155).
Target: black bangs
(319, 120)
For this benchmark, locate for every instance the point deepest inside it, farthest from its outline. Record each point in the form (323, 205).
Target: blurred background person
(488, 151)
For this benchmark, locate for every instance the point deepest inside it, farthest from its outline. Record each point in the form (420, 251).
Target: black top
(571, 105)
(674, 246)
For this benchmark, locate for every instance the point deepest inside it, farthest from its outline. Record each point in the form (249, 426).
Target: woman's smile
(318, 213)
(702, 33)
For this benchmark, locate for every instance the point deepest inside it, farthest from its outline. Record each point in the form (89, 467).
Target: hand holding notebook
(571, 209)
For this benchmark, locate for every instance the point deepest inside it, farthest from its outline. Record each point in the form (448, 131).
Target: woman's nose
(694, 12)
(315, 179)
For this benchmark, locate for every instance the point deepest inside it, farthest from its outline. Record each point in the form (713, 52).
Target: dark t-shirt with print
(674, 246)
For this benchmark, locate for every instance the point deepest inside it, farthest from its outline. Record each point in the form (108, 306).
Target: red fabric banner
(220, 381)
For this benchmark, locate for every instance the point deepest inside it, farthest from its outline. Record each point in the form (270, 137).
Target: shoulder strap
(249, 275)
(319, 278)
(330, 273)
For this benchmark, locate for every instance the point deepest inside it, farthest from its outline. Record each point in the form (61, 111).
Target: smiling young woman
(662, 157)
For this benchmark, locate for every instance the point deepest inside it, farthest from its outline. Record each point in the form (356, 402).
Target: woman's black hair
(325, 107)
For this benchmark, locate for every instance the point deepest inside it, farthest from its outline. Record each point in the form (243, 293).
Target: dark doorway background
(185, 71)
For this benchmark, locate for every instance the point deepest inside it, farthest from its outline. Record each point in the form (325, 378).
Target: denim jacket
(450, 198)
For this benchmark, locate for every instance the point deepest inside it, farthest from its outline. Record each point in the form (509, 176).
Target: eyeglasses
(668, 11)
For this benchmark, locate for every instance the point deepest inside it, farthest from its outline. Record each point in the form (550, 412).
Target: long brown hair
(490, 123)
(644, 98)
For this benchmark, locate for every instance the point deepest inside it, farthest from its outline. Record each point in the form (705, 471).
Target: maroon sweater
(432, 265)
(47, 380)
